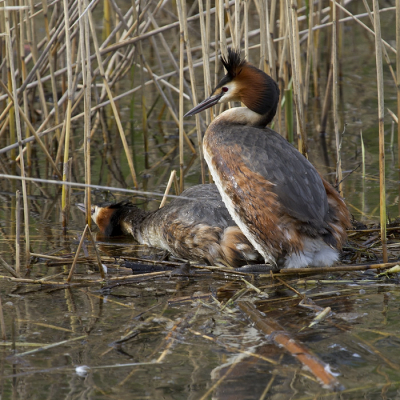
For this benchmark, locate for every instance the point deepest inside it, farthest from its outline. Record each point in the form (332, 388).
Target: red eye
(225, 89)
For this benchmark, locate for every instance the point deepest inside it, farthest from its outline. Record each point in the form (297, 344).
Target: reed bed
(74, 74)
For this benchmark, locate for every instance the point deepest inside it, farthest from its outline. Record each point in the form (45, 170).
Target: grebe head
(246, 83)
(108, 216)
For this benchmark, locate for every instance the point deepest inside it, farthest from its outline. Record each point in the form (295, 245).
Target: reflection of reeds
(75, 77)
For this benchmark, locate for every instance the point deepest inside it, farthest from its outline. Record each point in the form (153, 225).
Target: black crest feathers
(233, 63)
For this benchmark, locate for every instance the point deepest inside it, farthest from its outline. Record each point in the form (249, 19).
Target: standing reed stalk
(84, 36)
(18, 233)
(111, 98)
(181, 64)
(335, 99)
(181, 4)
(398, 85)
(13, 83)
(381, 112)
(291, 7)
(68, 112)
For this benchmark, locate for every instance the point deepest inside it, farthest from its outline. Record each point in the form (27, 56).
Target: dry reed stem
(291, 6)
(183, 14)
(385, 53)
(170, 107)
(98, 258)
(50, 346)
(270, 44)
(82, 185)
(221, 26)
(68, 112)
(381, 115)
(355, 18)
(170, 181)
(310, 59)
(34, 51)
(398, 83)
(32, 130)
(246, 28)
(335, 100)
(144, 36)
(86, 79)
(72, 269)
(205, 40)
(340, 268)
(52, 66)
(2, 324)
(18, 233)
(264, 62)
(10, 59)
(181, 109)
(8, 268)
(113, 106)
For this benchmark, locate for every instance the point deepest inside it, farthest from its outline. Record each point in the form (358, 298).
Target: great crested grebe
(290, 214)
(195, 227)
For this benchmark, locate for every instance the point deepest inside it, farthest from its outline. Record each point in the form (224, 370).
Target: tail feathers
(237, 249)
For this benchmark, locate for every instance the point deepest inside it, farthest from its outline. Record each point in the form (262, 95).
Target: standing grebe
(195, 227)
(290, 214)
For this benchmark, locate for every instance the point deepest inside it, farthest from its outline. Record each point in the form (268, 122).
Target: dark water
(143, 340)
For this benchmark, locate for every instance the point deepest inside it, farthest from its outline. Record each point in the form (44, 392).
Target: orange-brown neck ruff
(253, 87)
(272, 192)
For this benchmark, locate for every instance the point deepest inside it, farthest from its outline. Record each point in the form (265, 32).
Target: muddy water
(149, 339)
(164, 355)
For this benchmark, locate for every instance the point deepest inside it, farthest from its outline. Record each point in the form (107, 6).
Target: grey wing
(204, 206)
(298, 185)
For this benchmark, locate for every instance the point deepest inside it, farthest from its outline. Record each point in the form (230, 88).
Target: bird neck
(242, 116)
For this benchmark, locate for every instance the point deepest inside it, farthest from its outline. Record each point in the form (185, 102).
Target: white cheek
(230, 94)
(95, 214)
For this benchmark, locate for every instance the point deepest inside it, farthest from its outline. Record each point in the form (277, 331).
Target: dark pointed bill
(207, 103)
(81, 206)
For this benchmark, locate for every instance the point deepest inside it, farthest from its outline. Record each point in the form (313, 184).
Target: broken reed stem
(170, 181)
(13, 83)
(18, 232)
(8, 268)
(381, 114)
(335, 99)
(72, 270)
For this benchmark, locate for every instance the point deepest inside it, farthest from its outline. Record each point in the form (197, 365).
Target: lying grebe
(195, 227)
(288, 212)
